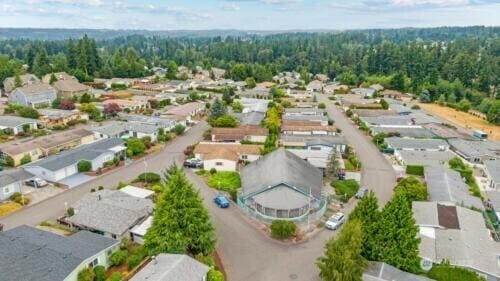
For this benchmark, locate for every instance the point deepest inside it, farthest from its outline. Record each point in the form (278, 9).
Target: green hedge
(283, 229)
(345, 188)
(84, 166)
(417, 170)
(226, 181)
(447, 272)
(149, 177)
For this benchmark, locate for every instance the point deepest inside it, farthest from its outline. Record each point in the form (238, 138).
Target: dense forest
(449, 64)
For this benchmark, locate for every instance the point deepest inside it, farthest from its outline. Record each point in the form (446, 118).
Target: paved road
(378, 174)
(55, 206)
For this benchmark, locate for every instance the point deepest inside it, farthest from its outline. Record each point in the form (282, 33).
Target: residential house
(397, 95)
(492, 173)
(315, 86)
(111, 129)
(110, 212)
(292, 191)
(63, 165)
(159, 71)
(446, 132)
(252, 94)
(70, 88)
(44, 146)
(321, 119)
(34, 95)
(299, 94)
(310, 128)
(13, 125)
(251, 133)
(132, 129)
(60, 76)
(380, 271)
(424, 158)
(187, 111)
(29, 253)
(226, 156)
(139, 231)
(253, 105)
(493, 202)
(456, 235)
(128, 105)
(389, 121)
(304, 111)
(322, 77)
(250, 118)
(9, 84)
(124, 82)
(412, 132)
(50, 118)
(160, 122)
(218, 73)
(398, 143)
(377, 87)
(314, 143)
(475, 151)
(364, 92)
(178, 267)
(11, 182)
(445, 185)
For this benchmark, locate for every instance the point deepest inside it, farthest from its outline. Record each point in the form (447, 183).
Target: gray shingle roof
(379, 271)
(445, 185)
(405, 132)
(426, 158)
(112, 128)
(388, 120)
(167, 267)
(281, 166)
(156, 121)
(406, 143)
(250, 118)
(84, 152)
(15, 121)
(306, 117)
(308, 110)
(12, 176)
(110, 211)
(476, 148)
(32, 254)
(316, 140)
(493, 168)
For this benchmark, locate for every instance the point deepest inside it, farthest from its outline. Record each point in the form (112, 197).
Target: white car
(335, 221)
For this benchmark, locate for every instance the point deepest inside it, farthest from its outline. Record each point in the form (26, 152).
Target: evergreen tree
(181, 223)
(395, 238)
(332, 164)
(398, 82)
(342, 260)
(53, 79)
(218, 109)
(17, 81)
(367, 213)
(41, 63)
(226, 96)
(412, 188)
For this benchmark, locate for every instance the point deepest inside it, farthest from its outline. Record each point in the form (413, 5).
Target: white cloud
(231, 6)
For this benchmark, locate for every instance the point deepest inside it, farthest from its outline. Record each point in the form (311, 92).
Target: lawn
(345, 188)
(352, 164)
(447, 272)
(226, 181)
(8, 207)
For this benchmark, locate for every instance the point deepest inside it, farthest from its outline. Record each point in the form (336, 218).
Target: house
(60, 76)
(167, 267)
(377, 87)
(398, 143)
(60, 166)
(226, 156)
(380, 271)
(492, 172)
(218, 73)
(50, 118)
(321, 119)
(250, 118)
(34, 95)
(445, 185)
(412, 132)
(493, 201)
(159, 71)
(364, 92)
(120, 82)
(128, 105)
(187, 111)
(397, 95)
(424, 158)
(292, 191)
(475, 151)
(293, 127)
(11, 182)
(315, 86)
(112, 129)
(457, 235)
(304, 111)
(314, 143)
(13, 125)
(9, 84)
(139, 231)
(124, 130)
(112, 213)
(251, 133)
(29, 253)
(44, 146)
(444, 131)
(396, 121)
(70, 88)
(160, 122)
(253, 105)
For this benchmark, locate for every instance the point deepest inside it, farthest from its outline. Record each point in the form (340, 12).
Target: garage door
(71, 170)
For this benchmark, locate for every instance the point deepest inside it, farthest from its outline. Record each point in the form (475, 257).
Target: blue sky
(247, 14)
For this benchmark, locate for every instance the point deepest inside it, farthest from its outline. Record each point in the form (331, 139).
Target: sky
(247, 14)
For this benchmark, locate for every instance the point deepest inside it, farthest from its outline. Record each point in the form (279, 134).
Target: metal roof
(407, 143)
(493, 169)
(15, 121)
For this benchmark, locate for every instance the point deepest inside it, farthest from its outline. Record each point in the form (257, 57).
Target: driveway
(76, 180)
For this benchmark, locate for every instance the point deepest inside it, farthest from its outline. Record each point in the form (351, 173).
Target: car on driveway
(36, 182)
(361, 193)
(335, 221)
(221, 201)
(193, 163)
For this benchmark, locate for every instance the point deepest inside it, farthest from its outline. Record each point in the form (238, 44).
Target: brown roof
(239, 133)
(69, 86)
(447, 216)
(207, 148)
(221, 153)
(394, 93)
(31, 89)
(185, 109)
(307, 128)
(291, 122)
(45, 142)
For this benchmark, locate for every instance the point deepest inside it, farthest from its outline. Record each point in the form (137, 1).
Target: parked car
(36, 182)
(361, 193)
(221, 201)
(335, 221)
(193, 163)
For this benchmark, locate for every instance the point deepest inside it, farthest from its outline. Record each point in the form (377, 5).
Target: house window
(315, 148)
(94, 263)
(219, 163)
(244, 157)
(6, 190)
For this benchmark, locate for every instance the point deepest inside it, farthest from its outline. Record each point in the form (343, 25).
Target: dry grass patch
(8, 207)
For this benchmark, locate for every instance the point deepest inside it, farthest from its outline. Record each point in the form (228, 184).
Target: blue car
(221, 201)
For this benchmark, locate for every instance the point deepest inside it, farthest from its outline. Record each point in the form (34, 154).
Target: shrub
(26, 159)
(149, 177)
(19, 199)
(417, 170)
(84, 166)
(136, 146)
(447, 272)
(415, 107)
(116, 276)
(214, 275)
(100, 273)
(133, 261)
(412, 188)
(179, 129)
(9, 161)
(118, 257)
(28, 112)
(345, 188)
(213, 171)
(322, 105)
(92, 190)
(86, 274)
(282, 229)
(70, 212)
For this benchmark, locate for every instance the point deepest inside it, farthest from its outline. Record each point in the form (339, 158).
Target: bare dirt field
(463, 119)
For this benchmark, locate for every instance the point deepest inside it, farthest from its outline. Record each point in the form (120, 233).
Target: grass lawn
(8, 207)
(345, 188)
(226, 181)
(446, 272)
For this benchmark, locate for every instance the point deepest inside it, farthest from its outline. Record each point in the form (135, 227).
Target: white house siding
(103, 158)
(249, 157)
(220, 164)
(8, 190)
(41, 172)
(257, 138)
(101, 257)
(141, 135)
